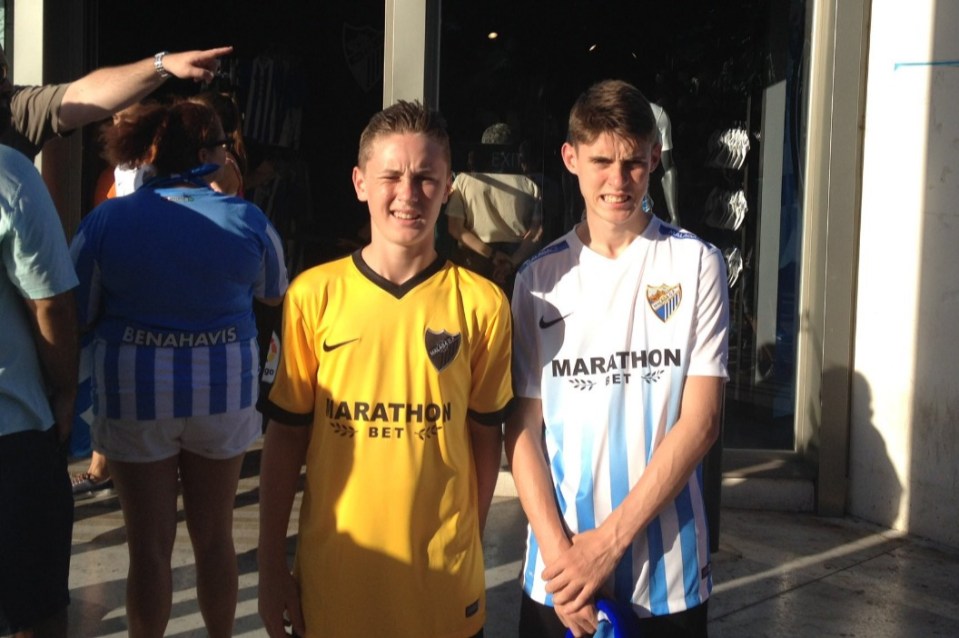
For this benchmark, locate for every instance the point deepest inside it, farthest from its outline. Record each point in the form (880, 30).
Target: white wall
(904, 445)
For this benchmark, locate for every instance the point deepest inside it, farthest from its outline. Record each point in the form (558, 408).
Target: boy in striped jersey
(619, 361)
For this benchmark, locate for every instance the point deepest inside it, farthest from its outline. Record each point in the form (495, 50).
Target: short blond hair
(404, 117)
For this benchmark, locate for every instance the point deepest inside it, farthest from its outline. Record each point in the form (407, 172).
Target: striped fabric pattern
(167, 280)
(146, 383)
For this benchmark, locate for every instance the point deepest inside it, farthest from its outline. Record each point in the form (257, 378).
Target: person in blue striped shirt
(167, 276)
(619, 363)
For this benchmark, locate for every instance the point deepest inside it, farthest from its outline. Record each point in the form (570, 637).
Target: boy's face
(405, 182)
(613, 176)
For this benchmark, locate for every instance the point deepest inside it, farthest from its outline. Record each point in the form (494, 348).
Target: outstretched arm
(579, 573)
(101, 93)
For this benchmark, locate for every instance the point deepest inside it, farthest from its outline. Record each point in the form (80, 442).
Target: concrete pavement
(776, 574)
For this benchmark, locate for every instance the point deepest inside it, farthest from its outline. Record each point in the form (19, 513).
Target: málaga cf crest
(442, 347)
(664, 299)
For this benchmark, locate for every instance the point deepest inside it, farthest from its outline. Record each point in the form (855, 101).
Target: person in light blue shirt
(38, 384)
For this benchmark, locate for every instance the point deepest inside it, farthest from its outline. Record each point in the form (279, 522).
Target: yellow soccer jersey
(386, 375)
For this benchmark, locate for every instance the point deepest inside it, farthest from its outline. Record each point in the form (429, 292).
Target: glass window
(729, 79)
(3, 24)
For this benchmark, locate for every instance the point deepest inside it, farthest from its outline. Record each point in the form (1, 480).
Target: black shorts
(36, 510)
(541, 621)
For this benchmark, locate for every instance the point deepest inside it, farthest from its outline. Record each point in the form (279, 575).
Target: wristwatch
(158, 65)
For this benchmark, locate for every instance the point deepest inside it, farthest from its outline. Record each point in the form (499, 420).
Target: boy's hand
(582, 621)
(578, 574)
(279, 603)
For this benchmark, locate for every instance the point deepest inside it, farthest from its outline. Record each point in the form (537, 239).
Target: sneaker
(86, 485)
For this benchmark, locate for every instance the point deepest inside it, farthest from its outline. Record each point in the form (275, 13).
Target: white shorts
(214, 436)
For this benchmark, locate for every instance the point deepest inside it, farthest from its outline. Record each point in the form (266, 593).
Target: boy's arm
(284, 451)
(577, 575)
(487, 444)
(527, 459)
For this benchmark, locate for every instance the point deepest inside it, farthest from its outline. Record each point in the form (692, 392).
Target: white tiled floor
(775, 575)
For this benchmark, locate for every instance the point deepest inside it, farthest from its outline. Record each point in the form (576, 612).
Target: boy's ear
(568, 151)
(655, 156)
(359, 184)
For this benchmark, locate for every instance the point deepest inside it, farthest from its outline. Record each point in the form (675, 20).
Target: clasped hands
(575, 578)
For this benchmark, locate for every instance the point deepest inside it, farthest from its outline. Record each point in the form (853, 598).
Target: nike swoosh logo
(330, 348)
(546, 324)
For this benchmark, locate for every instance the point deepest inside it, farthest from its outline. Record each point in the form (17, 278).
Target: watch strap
(158, 65)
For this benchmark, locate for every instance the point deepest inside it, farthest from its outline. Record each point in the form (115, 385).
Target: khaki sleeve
(35, 117)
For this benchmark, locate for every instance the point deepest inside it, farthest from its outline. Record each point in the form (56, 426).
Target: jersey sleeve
(491, 389)
(526, 358)
(35, 117)
(272, 280)
(293, 395)
(710, 333)
(86, 264)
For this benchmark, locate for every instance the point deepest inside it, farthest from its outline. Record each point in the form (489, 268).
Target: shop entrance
(730, 79)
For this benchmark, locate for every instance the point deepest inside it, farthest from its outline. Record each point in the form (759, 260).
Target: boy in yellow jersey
(393, 382)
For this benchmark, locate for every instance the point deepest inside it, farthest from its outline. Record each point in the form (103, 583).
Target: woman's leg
(209, 490)
(98, 467)
(148, 493)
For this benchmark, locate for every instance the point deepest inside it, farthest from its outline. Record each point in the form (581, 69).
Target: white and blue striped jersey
(167, 277)
(606, 345)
